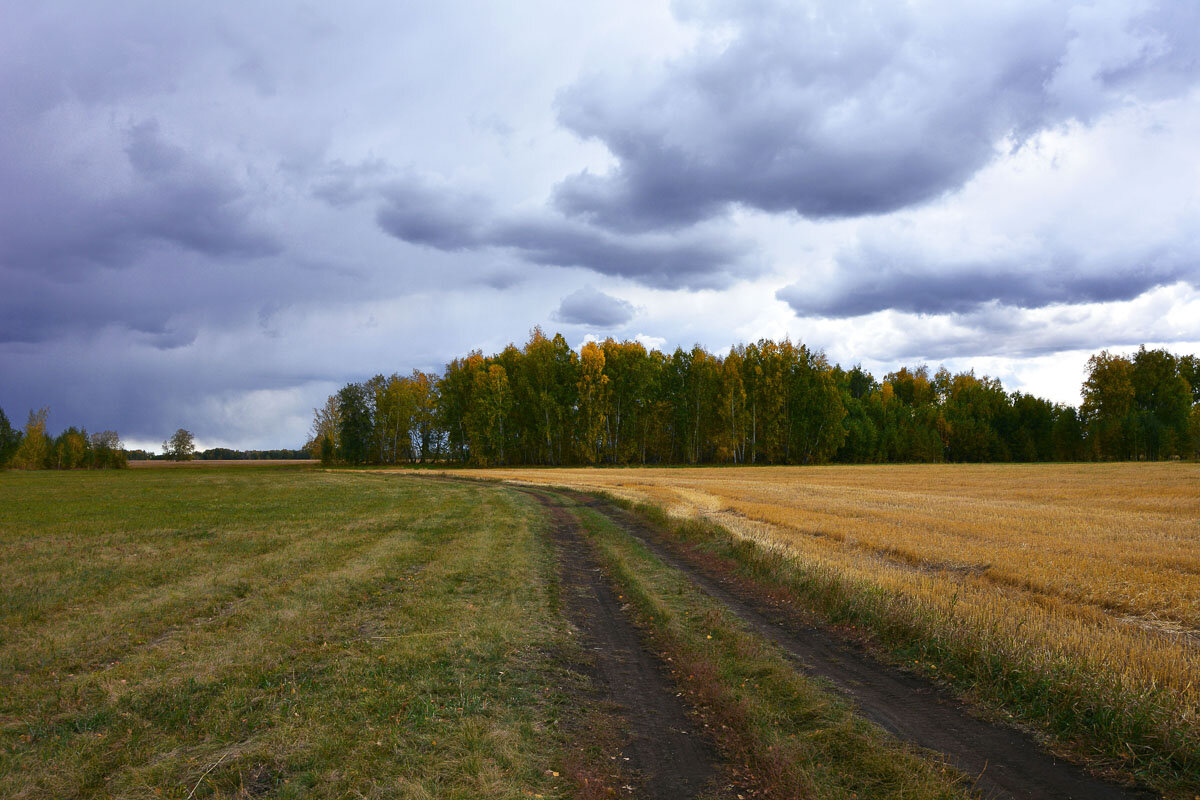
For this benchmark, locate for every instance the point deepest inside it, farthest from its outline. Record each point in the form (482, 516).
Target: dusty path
(665, 749)
(1008, 763)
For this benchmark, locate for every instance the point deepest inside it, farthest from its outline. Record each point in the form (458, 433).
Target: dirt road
(667, 756)
(1008, 763)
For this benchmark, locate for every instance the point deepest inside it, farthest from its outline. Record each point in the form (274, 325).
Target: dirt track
(670, 758)
(1007, 762)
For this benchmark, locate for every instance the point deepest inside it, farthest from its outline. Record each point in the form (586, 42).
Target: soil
(1006, 762)
(666, 756)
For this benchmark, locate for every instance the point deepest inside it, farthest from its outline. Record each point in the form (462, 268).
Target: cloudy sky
(213, 218)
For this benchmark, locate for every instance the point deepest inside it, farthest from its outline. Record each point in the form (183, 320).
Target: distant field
(1089, 571)
(1122, 538)
(292, 633)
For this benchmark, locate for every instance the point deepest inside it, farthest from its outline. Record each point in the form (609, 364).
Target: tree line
(74, 448)
(615, 402)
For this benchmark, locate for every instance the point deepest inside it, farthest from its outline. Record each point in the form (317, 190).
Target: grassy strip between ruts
(791, 738)
(208, 633)
(1085, 712)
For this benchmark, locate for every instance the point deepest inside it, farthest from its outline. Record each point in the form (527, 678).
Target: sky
(214, 215)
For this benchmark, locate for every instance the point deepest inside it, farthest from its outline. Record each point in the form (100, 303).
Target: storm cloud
(448, 221)
(54, 220)
(590, 306)
(851, 109)
(873, 281)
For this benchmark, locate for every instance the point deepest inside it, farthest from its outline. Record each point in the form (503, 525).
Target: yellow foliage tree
(35, 445)
(593, 401)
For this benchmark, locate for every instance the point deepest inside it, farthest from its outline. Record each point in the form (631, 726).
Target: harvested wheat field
(1062, 585)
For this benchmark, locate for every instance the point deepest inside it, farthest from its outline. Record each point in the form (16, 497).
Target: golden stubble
(1097, 563)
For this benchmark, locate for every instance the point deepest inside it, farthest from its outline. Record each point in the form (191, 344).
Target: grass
(208, 632)
(1065, 595)
(217, 632)
(793, 738)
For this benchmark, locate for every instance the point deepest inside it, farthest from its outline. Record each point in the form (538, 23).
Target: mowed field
(245, 632)
(1066, 594)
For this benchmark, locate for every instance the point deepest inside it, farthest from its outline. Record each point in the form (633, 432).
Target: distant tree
(860, 382)
(546, 394)
(181, 446)
(1189, 368)
(629, 371)
(35, 448)
(72, 449)
(10, 440)
(424, 431)
(730, 435)
(454, 401)
(765, 402)
(1108, 404)
(1030, 434)
(107, 452)
(1068, 441)
(354, 423)
(395, 406)
(327, 452)
(593, 392)
(1194, 430)
(485, 424)
(1163, 400)
(816, 413)
(323, 443)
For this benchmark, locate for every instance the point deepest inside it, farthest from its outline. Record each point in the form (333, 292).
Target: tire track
(1006, 762)
(671, 757)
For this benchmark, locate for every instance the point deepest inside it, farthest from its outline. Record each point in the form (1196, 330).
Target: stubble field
(1068, 595)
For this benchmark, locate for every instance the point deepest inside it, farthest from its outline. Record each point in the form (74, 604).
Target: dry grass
(1093, 566)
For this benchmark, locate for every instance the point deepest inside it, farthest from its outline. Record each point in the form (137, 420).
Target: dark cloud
(342, 185)
(441, 219)
(871, 279)
(449, 221)
(848, 109)
(995, 330)
(662, 262)
(51, 222)
(590, 306)
(145, 392)
(57, 53)
(39, 308)
(149, 153)
(504, 278)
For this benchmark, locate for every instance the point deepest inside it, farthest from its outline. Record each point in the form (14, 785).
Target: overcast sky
(213, 218)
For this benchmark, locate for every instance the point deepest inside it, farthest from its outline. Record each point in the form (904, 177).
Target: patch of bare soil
(663, 755)
(1008, 763)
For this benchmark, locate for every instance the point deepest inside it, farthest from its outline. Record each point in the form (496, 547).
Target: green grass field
(199, 633)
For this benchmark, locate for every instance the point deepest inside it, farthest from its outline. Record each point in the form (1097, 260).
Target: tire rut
(670, 756)
(1005, 762)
